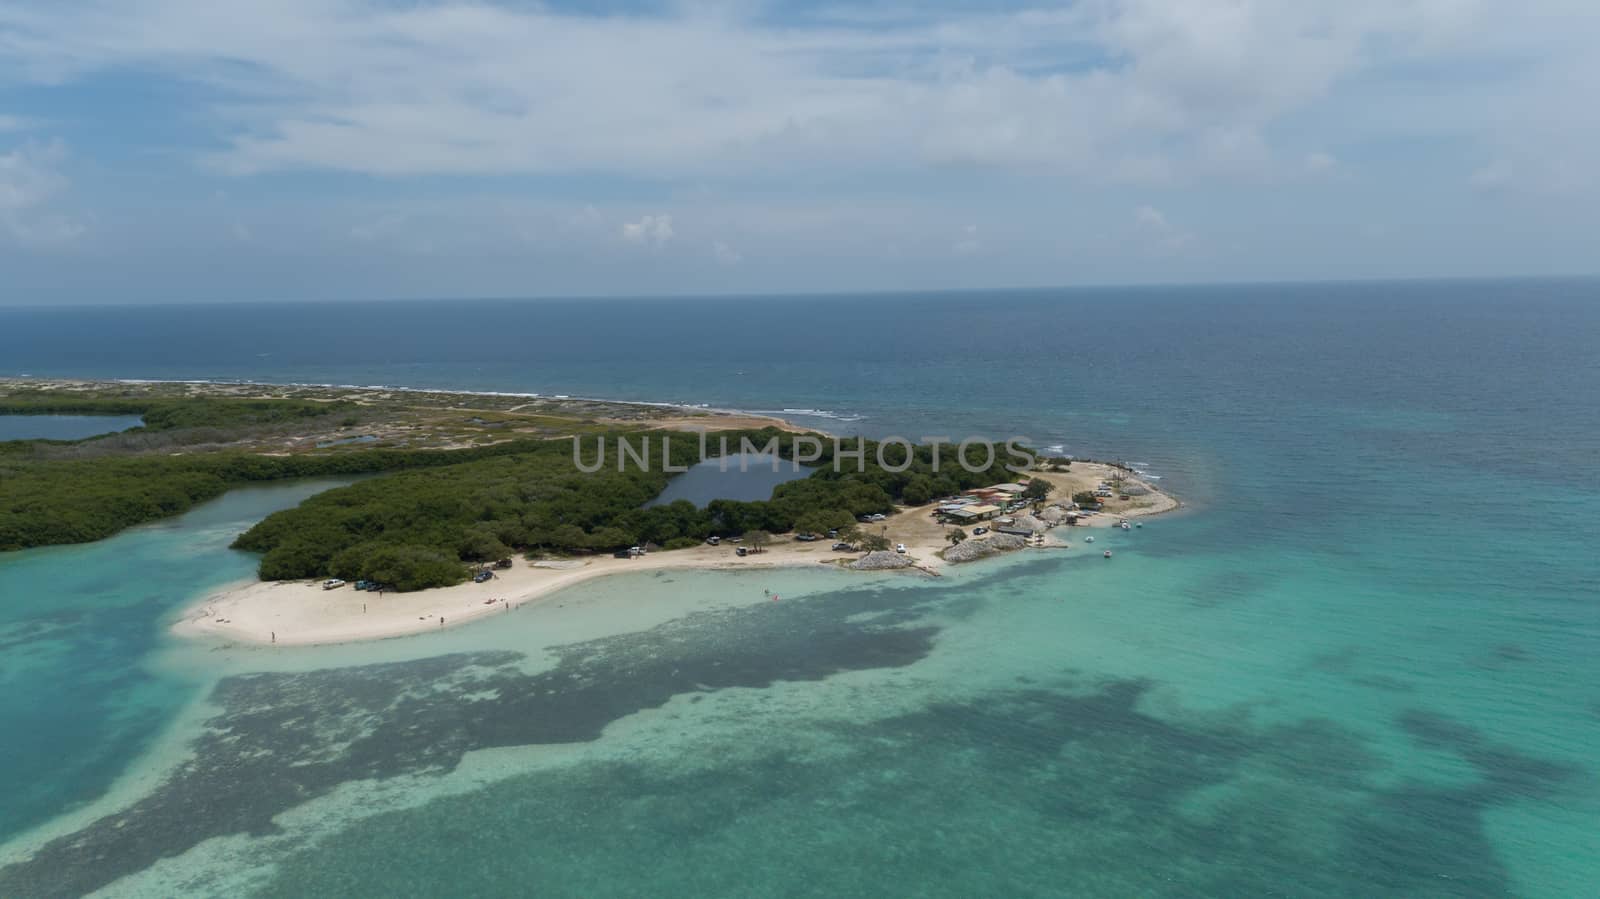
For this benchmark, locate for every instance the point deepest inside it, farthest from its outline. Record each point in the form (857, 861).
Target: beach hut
(983, 512)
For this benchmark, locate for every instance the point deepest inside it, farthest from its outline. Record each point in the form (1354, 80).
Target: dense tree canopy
(171, 414)
(44, 502)
(539, 500)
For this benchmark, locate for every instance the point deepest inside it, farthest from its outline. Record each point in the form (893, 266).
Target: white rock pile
(882, 560)
(973, 550)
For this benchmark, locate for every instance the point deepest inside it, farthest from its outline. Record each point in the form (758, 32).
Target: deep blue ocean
(1364, 661)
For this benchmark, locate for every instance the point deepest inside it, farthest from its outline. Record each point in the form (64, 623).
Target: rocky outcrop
(882, 560)
(1028, 523)
(973, 550)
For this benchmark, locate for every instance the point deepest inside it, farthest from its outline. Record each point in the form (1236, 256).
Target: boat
(1088, 540)
(1108, 553)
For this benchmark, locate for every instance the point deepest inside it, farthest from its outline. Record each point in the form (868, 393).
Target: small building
(1016, 489)
(968, 514)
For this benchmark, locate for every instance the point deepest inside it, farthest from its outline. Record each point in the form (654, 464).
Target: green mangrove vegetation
(172, 414)
(438, 509)
(425, 528)
(47, 501)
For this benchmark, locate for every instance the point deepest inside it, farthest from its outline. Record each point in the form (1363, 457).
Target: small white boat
(1088, 540)
(1108, 553)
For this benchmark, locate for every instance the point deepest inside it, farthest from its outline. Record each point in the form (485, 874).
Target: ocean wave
(811, 413)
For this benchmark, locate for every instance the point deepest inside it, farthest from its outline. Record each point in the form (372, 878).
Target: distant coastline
(777, 416)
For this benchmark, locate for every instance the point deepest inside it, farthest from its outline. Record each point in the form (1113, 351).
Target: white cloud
(1108, 90)
(653, 230)
(30, 180)
(1320, 163)
(1160, 233)
(1150, 218)
(968, 243)
(724, 254)
(376, 229)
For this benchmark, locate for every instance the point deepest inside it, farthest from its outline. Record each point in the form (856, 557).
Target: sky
(213, 151)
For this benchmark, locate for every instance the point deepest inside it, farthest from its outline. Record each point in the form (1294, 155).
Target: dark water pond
(738, 476)
(62, 427)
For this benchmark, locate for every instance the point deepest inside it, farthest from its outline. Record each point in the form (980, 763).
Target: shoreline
(692, 413)
(302, 613)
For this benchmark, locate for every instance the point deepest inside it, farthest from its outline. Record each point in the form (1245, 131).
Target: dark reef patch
(283, 739)
(1024, 792)
(1058, 785)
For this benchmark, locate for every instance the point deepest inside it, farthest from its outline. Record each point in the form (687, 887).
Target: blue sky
(185, 150)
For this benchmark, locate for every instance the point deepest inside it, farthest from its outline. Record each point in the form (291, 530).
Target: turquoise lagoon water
(1362, 662)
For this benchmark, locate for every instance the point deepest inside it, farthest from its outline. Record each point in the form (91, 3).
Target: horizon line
(822, 294)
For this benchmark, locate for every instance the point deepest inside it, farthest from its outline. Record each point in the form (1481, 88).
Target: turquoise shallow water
(1364, 662)
(76, 628)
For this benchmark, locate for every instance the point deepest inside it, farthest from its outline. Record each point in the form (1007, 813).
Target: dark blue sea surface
(1364, 661)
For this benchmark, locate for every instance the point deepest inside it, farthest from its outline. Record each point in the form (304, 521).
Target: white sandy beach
(302, 613)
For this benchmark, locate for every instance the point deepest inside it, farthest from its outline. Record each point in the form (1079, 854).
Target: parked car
(806, 537)
(979, 532)
(332, 583)
(842, 547)
(622, 554)
(713, 540)
(899, 547)
(503, 564)
(482, 576)
(833, 532)
(740, 551)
